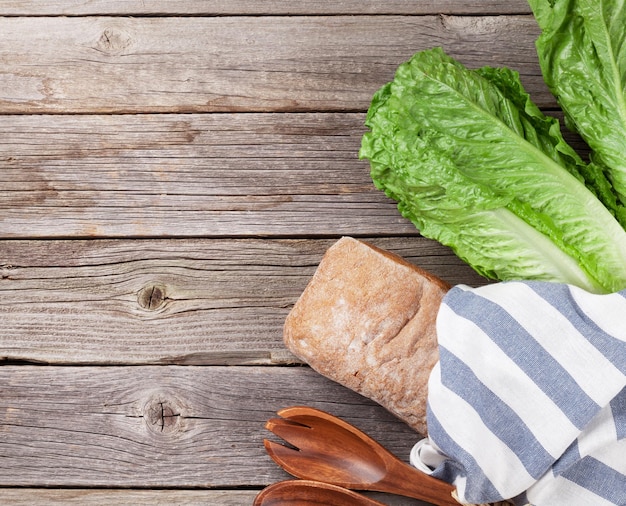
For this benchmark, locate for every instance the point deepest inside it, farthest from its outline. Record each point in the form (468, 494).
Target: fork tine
(318, 420)
(322, 433)
(291, 460)
(279, 452)
(302, 415)
(293, 433)
(306, 466)
(285, 421)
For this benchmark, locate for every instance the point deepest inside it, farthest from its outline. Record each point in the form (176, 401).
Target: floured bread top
(367, 320)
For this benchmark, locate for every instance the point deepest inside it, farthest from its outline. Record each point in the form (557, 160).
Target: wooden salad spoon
(329, 450)
(310, 493)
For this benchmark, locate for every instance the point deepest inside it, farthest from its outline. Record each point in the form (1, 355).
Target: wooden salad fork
(330, 450)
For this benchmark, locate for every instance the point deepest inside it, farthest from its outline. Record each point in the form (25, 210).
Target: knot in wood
(162, 414)
(151, 297)
(5, 271)
(113, 41)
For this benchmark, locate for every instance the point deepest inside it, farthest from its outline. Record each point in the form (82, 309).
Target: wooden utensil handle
(406, 480)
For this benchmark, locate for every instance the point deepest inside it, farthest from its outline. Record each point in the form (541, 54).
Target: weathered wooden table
(171, 173)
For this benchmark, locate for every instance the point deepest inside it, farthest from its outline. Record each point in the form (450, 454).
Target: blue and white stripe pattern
(528, 400)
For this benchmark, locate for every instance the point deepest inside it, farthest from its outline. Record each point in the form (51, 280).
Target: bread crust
(367, 321)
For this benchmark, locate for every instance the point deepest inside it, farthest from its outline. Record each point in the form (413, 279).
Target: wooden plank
(162, 426)
(189, 175)
(207, 64)
(247, 7)
(98, 497)
(167, 301)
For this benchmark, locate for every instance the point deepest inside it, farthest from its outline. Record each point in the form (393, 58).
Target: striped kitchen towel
(528, 399)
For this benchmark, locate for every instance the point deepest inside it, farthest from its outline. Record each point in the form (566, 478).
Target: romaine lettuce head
(582, 52)
(474, 164)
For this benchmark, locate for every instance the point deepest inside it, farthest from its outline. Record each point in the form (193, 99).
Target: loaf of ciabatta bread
(367, 321)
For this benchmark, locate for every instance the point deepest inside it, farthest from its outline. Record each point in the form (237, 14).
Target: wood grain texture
(99, 497)
(248, 7)
(148, 259)
(189, 175)
(164, 497)
(168, 301)
(163, 426)
(208, 64)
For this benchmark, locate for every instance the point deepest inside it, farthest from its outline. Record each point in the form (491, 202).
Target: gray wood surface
(209, 64)
(189, 175)
(168, 301)
(254, 7)
(163, 497)
(171, 173)
(162, 426)
(97, 497)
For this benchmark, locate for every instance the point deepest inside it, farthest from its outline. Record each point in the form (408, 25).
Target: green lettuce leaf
(474, 164)
(582, 52)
